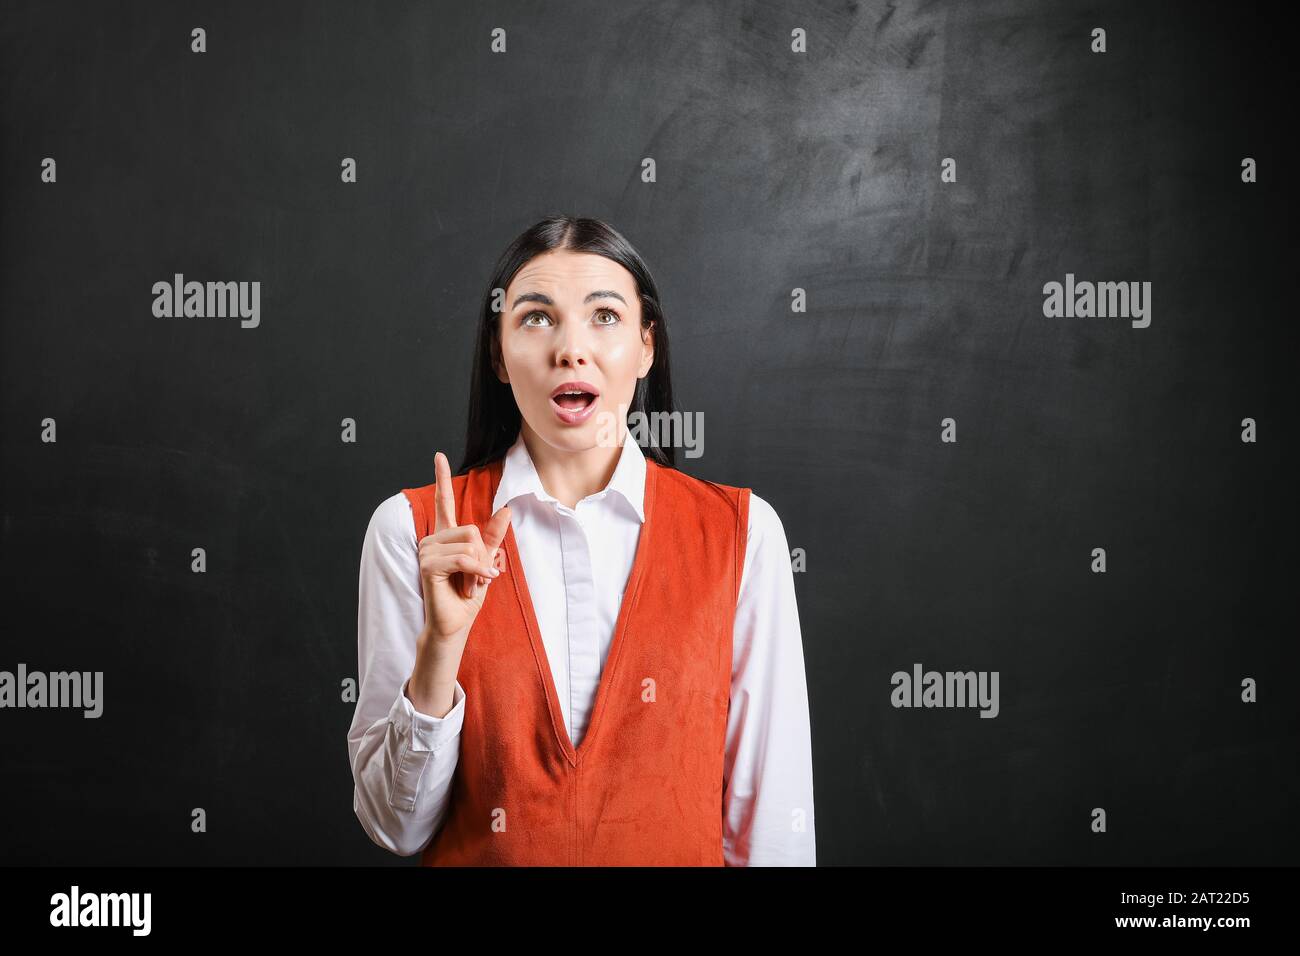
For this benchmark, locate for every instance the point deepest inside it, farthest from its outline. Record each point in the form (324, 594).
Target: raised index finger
(444, 503)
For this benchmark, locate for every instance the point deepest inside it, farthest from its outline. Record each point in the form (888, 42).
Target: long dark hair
(494, 418)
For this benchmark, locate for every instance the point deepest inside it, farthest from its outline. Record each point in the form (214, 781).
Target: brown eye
(531, 314)
(611, 313)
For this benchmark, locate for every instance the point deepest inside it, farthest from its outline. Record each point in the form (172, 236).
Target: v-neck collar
(515, 569)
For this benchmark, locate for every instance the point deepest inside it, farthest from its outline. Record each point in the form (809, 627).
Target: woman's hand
(455, 570)
(456, 564)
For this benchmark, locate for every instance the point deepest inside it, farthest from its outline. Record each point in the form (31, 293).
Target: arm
(768, 786)
(402, 760)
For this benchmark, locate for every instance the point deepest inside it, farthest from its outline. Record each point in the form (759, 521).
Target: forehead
(571, 273)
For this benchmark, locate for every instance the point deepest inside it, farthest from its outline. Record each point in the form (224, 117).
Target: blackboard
(776, 171)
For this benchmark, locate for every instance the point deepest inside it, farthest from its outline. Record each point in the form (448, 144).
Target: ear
(498, 366)
(647, 350)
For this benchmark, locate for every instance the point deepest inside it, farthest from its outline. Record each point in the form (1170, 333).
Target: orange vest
(644, 788)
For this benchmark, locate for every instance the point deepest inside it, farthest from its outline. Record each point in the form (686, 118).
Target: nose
(572, 351)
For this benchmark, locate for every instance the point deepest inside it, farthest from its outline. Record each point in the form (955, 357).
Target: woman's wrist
(432, 685)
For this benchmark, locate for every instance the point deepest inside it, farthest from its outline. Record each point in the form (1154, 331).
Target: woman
(571, 653)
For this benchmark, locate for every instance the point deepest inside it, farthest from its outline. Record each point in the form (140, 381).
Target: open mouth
(573, 400)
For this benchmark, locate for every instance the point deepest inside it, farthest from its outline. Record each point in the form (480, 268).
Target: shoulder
(683, 490)
(767, 569)
(391, 519)
(762, 516)
(764, 523)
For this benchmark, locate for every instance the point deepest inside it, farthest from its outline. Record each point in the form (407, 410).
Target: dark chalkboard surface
(821, 171)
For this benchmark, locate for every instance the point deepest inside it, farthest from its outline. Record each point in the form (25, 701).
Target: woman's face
(573, 317)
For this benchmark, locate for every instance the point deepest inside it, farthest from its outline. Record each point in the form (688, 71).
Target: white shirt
(576, 562)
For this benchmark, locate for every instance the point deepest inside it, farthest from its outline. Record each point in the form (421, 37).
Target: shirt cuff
(424, 732)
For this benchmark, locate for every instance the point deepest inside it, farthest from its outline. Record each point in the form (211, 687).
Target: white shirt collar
(519, 477)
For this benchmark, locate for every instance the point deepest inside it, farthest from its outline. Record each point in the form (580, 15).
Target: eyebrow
(546, 299)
